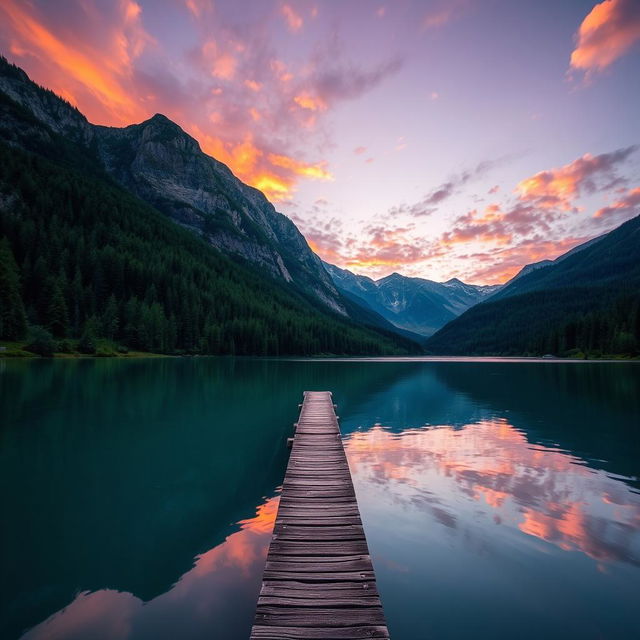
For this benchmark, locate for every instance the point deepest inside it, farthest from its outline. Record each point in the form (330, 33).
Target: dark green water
(500, 499)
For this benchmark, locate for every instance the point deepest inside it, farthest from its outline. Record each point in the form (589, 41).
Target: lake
(499, 498)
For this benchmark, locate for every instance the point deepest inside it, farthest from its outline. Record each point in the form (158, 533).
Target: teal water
(500, 499)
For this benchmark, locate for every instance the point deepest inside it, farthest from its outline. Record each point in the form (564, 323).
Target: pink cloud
(508, 236)
(609, 31)
(558, 188)
(626, 206)
(442, 13)
(293, 19)
(199, 8)
(501, 264)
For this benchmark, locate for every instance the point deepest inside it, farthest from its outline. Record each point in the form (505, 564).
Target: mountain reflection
(488, 471)
(209, 596)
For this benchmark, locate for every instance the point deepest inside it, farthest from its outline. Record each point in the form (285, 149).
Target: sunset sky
(437, 138)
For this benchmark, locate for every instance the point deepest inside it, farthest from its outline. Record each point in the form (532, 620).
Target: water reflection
(524, 538)
(488, 471)
(218, 592)
(518, 511)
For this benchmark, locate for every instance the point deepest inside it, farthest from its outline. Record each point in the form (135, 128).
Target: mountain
(88, 251)
(587, 301)
(160, 163)
(545, 263)
(413, 304)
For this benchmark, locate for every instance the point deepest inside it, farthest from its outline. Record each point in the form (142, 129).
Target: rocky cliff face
(165, 166)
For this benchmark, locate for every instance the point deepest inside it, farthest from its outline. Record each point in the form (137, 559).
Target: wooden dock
(318, 580)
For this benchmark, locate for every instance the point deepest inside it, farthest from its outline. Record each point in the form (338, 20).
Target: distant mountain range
(413, 304)
(585, 302)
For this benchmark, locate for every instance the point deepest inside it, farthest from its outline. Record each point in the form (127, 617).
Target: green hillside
(87, 259)
(587, 304)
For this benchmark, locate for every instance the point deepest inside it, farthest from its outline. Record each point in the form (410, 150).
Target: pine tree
(57, 314)
(13, 320)
(110, 320)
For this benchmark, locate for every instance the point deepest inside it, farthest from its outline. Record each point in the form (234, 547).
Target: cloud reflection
(219, 592)
(490, 470)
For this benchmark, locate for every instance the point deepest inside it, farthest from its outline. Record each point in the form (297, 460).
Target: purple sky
(436, 138)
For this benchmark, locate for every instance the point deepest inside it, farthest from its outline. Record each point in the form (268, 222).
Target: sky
(435, 138)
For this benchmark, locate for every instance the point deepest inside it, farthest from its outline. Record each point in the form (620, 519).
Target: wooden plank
(318, 580)
(318, 548)
(319, 617)
(260, 632)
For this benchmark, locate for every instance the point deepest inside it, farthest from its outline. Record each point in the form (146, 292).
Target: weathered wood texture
(318, 581)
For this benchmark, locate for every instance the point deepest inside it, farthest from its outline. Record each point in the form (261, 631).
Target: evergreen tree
(40, 341)
(57, 316)
(13, 319)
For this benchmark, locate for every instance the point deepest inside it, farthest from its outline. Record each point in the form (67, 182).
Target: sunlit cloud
(99, 71)
(377, 250)
(306, 101)
(627, 206)
(558, 188)
(317, 171)
(293, 19)
(491, 243)
(609, 31)
(502, 263)
(246, 106)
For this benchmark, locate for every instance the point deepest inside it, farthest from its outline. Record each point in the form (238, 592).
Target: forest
(579, 321)
(82, 260)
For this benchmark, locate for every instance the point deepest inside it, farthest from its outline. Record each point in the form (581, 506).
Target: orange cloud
(253, 85)
(293, 19)
(222, 64)
(385, 250)
(102, 76)
(317, 171)
(306, 101)
(487, 228)
(609, 31)
(94, 55)
(557, 188)
(501, 264)
(629, 204)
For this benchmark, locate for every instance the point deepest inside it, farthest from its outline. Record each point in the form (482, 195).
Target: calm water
(500, 499)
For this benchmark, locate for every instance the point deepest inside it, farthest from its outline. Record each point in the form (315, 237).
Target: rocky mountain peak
(163, 165)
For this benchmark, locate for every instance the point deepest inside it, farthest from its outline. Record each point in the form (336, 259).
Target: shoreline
(21, 354)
